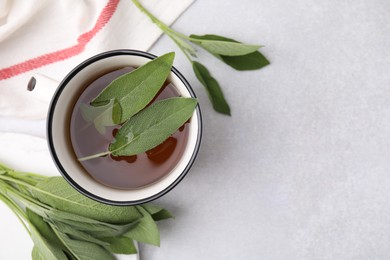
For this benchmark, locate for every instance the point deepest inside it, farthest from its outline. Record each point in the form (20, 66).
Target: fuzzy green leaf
(93, 227)
(250, 61)
(120, 245)
(83, 250)
(134, 90)
(212, 87)
(146, 231)
(48, 250)
(56, 192)
(106, 115)
(152, 126)
(44, 228)
(36, 254)
(78, 235)
(157, 212)
(219, 45)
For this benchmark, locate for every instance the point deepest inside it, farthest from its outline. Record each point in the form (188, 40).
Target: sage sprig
(121, 98)
(150, 127)
(142, 128)
(238, 55)
(64, 224)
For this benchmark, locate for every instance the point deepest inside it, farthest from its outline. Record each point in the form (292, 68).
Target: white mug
(58, 130)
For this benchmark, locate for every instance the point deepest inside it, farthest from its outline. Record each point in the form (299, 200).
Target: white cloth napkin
(51, 37)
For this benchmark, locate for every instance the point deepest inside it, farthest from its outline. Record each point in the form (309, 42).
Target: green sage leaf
(56, 192)
(106, 115)
(97, 229)
(44, 229)
(220, 46)
(36, 254)
(93, 227)
(78, 235)
(134, 90)
(48, 250)
(157, 212)
(152, 126)
(213, 89)
(4, 169)
(83, 250)
(251, 61)
(120, 245)
(146, 231)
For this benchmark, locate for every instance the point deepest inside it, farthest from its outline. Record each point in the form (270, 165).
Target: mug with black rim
(59, 142)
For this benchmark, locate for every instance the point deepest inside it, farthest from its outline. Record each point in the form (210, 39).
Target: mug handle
(43, 86)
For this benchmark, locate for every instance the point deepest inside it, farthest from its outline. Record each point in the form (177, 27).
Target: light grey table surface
(301, 170)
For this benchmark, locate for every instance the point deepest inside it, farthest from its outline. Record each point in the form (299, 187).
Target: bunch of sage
(238, 55)
(64, 224)
(125, 101)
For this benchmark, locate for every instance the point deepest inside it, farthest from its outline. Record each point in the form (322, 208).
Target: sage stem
(165, 28)
(93, 156)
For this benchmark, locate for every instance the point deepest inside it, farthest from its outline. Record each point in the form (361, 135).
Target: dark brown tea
(123, 172)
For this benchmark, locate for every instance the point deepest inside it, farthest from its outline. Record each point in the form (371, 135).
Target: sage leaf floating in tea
(134, 90)
(102, 116)
(145, 126)
(152, 126)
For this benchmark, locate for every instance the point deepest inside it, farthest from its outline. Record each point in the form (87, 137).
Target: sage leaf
(83, 250)
(23, 189)
(152, 126)
(162, 215)
(212, 87)
(36, 255)
(98, 230)
(78, 235)
(44, 229)
(6, 188)
(134, 90)
(146, 231)
(251, 61)
(157, 212)
(4, 169)
(106, 115)
(93, 227)
(120, 245)
(57, 193)
(46, 249)
(184, 45)
(219, 45)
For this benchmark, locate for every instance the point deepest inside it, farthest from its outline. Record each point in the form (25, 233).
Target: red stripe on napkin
(63, 54)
